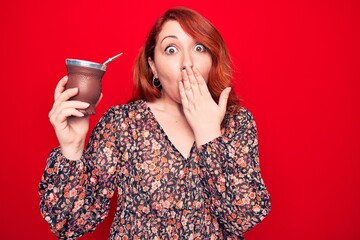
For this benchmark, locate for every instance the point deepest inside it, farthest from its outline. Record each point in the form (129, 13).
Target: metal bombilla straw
(112, 58)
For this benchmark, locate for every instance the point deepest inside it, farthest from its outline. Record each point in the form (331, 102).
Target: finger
(75, 104)
(60, 87)
(203, 88)
(187, 85)
(67, 94)
(193, 81)
(224, 96)
(184, 100)
(186, 81)
(64, 96)
(190, 74)
(72, 112)
(62, 116)
(67, 105)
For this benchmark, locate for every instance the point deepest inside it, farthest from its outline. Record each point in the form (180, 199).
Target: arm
(231, 176)
(229, 163)
(75, 195)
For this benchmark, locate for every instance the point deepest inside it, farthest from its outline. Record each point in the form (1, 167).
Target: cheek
(205, 69)
(167, 69)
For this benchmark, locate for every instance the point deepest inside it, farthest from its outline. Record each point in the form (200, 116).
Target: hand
(201, 111)
(69, 123)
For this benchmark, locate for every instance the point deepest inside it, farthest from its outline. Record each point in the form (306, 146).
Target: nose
(187, 60)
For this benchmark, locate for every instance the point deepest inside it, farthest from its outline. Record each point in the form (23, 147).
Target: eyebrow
(170, 36)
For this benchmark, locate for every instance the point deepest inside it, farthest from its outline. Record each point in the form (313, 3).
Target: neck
(168, 105)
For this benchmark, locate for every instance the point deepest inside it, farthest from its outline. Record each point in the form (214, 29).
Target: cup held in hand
(86, 76)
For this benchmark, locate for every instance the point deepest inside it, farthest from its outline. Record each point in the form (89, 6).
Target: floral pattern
(215, 193)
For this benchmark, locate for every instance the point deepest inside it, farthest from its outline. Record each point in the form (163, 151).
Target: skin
(186, 111)
(70, 132)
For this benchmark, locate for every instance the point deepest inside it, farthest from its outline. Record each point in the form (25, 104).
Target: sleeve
(75, 195)
(231, 176)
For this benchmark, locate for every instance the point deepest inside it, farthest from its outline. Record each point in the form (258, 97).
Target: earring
(156, 82)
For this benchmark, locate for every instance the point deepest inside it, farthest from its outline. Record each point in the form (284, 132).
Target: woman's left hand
(201, 111)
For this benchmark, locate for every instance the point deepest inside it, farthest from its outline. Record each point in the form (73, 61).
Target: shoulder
(124, 114)
(240, 118)
(121, 110)
(241, 114)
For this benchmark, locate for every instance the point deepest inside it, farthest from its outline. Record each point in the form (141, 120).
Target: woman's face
(174, 50)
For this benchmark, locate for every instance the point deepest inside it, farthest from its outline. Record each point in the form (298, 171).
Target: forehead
(172, 28)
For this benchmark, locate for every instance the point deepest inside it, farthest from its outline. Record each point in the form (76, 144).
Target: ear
(152, 66)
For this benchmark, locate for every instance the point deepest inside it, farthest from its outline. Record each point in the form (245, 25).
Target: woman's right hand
(70, 125)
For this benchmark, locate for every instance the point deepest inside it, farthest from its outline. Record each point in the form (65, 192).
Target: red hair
(201, 30)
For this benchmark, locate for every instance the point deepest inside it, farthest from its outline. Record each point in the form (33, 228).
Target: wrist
(72, 152)
(206, 135)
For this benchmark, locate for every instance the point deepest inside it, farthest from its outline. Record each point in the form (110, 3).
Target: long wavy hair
(201, 30)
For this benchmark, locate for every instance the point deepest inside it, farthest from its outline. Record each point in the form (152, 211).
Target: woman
(182, 153)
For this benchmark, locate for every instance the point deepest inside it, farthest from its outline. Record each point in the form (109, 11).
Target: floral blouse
(215, 193)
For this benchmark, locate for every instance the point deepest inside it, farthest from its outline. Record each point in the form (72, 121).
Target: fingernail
(84, 104)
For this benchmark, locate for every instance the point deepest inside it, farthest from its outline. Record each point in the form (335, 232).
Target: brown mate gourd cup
(86, 76)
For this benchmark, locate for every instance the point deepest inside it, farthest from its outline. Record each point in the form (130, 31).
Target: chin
(178, 101)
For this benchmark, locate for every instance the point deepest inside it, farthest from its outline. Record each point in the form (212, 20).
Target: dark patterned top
(215, 193)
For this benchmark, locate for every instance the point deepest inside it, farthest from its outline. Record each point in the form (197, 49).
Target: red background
(297, 70)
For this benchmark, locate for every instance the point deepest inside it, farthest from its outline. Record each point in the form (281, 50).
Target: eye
(170, 50)
(200, 48)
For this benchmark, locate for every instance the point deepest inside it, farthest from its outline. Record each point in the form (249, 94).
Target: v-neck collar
(160, 128)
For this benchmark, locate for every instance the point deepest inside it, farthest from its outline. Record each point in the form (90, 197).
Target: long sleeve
(231, 175)
(75, 195)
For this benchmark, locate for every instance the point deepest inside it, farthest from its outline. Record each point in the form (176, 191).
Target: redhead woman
(182, 153)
